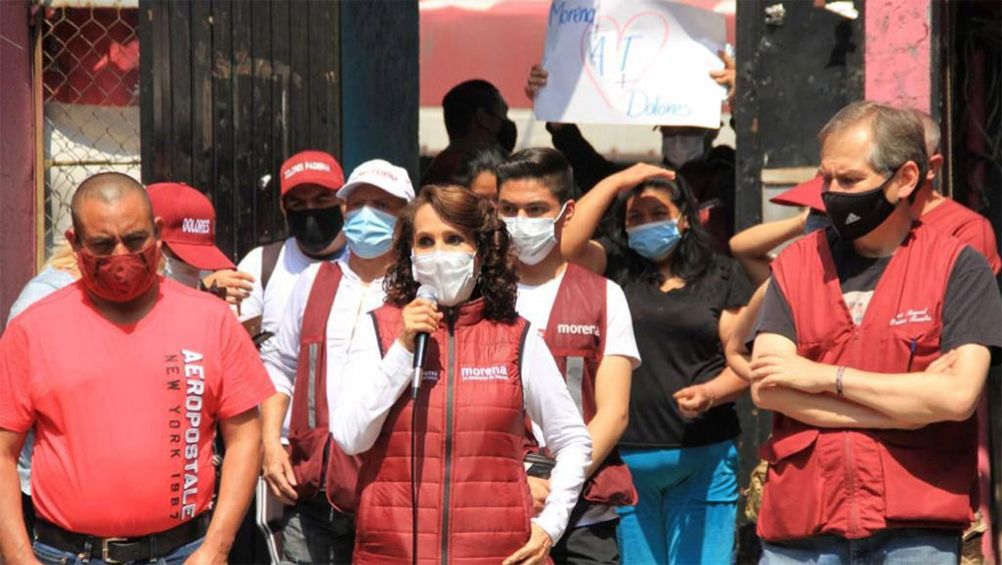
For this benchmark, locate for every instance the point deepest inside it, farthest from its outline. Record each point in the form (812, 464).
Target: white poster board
(641, 62)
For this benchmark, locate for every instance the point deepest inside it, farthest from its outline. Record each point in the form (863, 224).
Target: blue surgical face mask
(654, 241)
(369, 232)
(816, 221)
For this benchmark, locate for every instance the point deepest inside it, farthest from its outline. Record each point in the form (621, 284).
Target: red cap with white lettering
(189, 225)
(311, 167)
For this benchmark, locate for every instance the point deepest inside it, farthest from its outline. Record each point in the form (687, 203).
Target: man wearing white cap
(314, 333)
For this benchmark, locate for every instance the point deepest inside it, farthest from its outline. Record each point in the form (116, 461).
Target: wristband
(839, 373)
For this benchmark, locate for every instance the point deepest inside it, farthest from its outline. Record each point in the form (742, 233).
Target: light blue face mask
(815, 222)
(654, 241)
(369, 232)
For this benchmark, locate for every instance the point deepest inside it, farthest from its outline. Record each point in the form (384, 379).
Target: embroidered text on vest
(578, 329)
(496, 373)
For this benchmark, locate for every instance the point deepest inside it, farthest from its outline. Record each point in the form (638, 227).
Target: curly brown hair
(471, 214)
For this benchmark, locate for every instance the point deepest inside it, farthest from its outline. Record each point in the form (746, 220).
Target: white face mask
(181, 272)
(448, 272)
(532, 238)
(680, 148)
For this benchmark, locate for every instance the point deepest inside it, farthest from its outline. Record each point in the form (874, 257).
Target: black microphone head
(428, 292)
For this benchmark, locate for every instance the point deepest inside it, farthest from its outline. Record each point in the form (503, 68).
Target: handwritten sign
(632, 62)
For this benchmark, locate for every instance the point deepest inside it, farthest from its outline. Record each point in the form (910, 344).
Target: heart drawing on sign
(616, 57)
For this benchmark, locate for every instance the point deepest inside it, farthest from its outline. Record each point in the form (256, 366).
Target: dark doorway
(228, 90)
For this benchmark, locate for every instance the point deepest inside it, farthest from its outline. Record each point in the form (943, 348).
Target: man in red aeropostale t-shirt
(124, 376)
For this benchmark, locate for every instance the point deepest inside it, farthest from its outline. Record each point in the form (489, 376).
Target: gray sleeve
(44, 284)
(972, 311)
(775, 316)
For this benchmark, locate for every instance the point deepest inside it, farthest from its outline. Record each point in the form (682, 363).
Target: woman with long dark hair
(459, 442)
(684, 298)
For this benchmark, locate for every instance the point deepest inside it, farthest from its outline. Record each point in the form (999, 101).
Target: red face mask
(119, 278)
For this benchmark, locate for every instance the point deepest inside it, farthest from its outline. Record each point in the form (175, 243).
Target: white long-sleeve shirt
(354, 300)
(361, 407)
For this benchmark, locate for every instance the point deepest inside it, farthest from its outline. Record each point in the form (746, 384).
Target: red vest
(575, 334)
(853, 483)
(473, 499)
(316, 459)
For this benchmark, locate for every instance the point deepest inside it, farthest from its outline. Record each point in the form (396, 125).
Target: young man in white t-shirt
(586, 323)
(309, 181)
(315, 532)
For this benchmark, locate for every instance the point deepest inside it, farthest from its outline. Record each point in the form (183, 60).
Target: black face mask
(507, 135)
(857, 214)
(315, 229)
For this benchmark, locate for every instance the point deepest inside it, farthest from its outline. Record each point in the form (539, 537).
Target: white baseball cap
(390, 178)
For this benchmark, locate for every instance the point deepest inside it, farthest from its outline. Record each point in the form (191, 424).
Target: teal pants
(687, 505)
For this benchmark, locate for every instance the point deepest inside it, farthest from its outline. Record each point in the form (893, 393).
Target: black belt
(121, 550)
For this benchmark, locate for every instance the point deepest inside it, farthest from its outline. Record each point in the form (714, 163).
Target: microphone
(421, 341)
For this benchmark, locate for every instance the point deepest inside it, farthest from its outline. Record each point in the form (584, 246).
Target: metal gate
(87, 61)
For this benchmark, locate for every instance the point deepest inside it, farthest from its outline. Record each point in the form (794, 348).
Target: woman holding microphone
(455, 452)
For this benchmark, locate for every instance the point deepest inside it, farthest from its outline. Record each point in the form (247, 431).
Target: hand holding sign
(634, 62)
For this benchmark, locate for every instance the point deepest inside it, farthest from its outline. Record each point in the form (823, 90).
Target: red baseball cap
(189, 225)
(311, 167)
(804, 194)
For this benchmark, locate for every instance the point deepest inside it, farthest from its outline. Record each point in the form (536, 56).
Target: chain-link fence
(90, 76)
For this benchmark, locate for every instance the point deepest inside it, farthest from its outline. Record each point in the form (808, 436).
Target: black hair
(461, 103)
(692, 257)
(546, 165)
(482, 159)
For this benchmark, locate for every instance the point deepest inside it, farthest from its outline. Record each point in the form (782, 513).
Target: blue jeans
(49, 555)
(893, 547)
(687, 505)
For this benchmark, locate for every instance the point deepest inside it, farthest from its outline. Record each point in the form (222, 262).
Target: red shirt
(968, 226)
(125, 415)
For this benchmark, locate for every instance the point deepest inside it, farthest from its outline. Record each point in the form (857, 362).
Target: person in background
(486, 368)
(947, 217)
(754, 246)
(137, 371)
(687, 150)
(684, 299)
(308, 182)
(585, 321)
(188, 234)
(873, 446)
(478, 172)
(60, 270)
(327, 304)
(475, 115)
(944, 214)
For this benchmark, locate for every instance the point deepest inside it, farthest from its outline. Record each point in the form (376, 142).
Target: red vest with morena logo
(575, 334)
(853, 483)
(316, 460)
(473, 499)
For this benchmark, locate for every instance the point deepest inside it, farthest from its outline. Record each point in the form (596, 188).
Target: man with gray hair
(872, 349)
